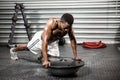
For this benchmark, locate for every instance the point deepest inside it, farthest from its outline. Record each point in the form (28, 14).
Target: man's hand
(46, 64)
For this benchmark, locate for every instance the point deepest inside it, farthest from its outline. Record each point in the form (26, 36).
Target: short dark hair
(67, 18)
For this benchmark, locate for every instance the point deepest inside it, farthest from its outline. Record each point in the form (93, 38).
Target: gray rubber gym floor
(100, 64)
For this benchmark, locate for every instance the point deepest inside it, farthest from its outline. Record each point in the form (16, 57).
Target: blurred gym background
(95, 20)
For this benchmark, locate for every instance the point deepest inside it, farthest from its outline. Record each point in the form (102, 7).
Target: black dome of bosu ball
(64, 66)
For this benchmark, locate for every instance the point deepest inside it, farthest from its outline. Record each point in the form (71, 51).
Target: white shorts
(35, 45)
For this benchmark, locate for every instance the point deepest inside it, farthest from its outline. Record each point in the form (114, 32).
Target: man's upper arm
(71, 34)
(47, 30)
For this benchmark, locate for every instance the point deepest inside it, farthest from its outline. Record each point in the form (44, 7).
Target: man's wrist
(75, 55)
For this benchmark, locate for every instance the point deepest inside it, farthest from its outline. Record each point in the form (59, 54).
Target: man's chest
(58, 33)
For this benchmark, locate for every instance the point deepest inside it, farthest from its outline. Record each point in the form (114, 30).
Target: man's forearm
(44, 52)
(74, 47)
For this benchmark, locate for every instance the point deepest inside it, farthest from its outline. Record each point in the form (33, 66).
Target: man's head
(67, 18)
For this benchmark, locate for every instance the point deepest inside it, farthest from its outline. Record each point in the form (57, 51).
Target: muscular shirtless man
(45, 42)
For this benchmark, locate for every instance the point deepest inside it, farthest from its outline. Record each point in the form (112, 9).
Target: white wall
(94, 19)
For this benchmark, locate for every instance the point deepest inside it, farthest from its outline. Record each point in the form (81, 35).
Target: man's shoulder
(53, 19)
(52, 22)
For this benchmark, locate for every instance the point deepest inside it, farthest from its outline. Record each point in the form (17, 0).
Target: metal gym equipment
(18, 7)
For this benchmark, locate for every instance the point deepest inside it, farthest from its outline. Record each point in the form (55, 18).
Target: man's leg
(53, 49)
(19, 47)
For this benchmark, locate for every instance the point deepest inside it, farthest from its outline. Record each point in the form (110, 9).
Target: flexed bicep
(47, 32)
